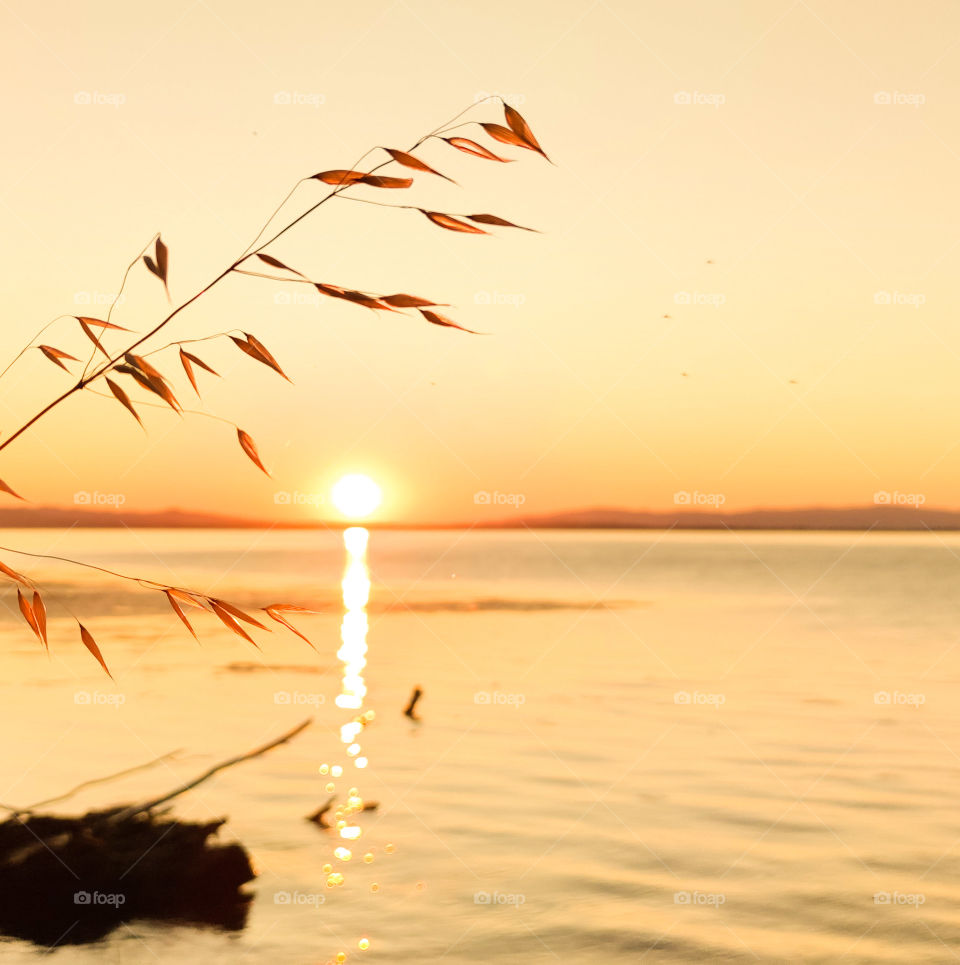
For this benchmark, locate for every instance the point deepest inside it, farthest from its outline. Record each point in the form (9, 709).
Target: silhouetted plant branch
(144, 375)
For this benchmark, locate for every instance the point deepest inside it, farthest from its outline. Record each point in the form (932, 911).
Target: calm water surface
(673, 747)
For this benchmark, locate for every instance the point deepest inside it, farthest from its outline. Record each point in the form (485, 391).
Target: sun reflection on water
(353, 656)
(354, 627)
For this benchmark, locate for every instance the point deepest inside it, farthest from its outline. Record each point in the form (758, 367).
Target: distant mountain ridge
(56, 516)
(880, 517)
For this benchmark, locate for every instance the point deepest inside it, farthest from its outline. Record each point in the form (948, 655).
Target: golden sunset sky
(779, 178)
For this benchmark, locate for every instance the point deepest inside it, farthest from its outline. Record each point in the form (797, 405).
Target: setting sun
(356, 495)
(651, 490)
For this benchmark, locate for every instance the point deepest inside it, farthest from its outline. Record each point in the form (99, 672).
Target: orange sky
(815, 166)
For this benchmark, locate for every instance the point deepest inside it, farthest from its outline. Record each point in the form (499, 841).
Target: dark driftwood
(410, 709)
(156, 802)
(91, 783)
(69, 880)
(319, 817)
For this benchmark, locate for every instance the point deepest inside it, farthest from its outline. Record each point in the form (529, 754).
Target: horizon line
(905, 516)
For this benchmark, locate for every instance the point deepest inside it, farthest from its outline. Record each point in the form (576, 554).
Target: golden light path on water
(353, 629)
(352, 654)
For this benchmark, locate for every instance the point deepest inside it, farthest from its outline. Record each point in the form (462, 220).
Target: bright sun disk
(356, 495)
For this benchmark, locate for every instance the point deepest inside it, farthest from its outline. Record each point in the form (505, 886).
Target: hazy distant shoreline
(856, 518)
